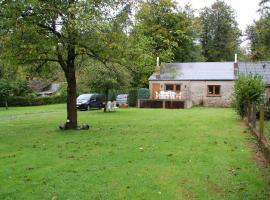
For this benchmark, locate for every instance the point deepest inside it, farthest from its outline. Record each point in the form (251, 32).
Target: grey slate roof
(196, 71)
(260, 68)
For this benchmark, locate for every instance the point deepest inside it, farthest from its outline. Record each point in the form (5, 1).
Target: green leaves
(248, 89)
(220, 35)
(104, 78)
(259, 35)
(169, 29)
(161, 29)
(5, 88)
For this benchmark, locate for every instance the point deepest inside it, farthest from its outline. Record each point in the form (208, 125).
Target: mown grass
(199, 153)
(266, 129)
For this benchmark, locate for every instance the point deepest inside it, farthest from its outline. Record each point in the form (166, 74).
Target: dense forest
(102, 45)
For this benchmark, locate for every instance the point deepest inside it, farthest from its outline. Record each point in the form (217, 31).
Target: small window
(177, 88)
(169, 87)
(213, 90)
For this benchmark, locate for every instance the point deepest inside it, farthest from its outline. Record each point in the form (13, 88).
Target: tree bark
(71, 99)
(70, 73)
(106, 99)
(6, 103)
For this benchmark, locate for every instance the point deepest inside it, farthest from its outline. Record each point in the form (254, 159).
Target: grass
(267, 129)
(198, 153)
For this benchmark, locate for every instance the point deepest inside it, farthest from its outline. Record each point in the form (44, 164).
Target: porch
(164, 103)
(167, 95)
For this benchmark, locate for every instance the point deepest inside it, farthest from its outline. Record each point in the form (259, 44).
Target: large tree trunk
(70, 73)
(106, 99)
(71, 100)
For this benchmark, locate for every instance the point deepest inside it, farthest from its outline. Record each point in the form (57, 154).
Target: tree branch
(61, 59)
(38, 60)
(59, 35)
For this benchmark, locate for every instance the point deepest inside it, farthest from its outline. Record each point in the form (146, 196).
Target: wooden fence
(253, 113)
(149, 103)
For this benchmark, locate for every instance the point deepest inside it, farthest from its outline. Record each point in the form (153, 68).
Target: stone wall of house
(267, 91)
(197, 92)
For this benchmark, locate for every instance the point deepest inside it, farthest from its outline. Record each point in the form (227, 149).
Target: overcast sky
(246, 10)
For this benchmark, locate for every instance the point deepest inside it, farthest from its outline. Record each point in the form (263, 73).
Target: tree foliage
(169, 29)
(104, 79)
(259, 34)
(162, 29)
(114, 41)
(5, 90)
(40, 33)
(264, 7)
(248, 89)
(220, 37)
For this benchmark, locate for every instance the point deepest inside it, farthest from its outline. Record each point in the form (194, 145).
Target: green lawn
(198, 153)
(266, 129)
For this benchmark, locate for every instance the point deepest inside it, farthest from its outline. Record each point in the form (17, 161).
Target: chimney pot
(158, 69)
(235, 65)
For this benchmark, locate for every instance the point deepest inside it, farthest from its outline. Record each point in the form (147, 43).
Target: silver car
(121, 99)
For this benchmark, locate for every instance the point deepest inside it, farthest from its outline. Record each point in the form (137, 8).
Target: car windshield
(122, 96)
(84, 97)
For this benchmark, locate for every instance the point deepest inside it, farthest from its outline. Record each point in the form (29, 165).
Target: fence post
(261, 120)
(248, 112)
(253, 117)
(163, 104)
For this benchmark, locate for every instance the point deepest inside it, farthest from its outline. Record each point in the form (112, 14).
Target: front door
(155, 88)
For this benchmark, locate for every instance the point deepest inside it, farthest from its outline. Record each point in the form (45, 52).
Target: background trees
(106, 79)
(259, 34)
(43, 32)
(220, 36)
(116, 42)
(5, 90)
(161, 29)
(169, 30)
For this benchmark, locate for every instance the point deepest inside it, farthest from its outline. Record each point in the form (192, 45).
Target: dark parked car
(89, 101)
(121, 99)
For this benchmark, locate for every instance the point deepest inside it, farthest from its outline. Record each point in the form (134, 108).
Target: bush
(112, 95)
(143, 93)
(248, 89)
(33, 101)
(21, 88)
(132, 97)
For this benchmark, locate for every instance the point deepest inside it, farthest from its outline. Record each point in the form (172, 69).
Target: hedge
(132, 97)
(143, 93)
(33, 101)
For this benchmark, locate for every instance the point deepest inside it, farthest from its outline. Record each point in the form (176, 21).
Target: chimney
(235, 65)
(158, 69)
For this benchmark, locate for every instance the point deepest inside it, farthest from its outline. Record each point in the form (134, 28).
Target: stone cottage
(203, 83)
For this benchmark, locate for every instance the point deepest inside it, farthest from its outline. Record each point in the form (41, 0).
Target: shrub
(33, 101)
(132, 97)
(248, 89)
(143, 93)
(5, 91)
(21, 88)
(112, 95)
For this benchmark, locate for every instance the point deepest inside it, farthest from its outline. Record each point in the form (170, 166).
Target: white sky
(246, 10)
